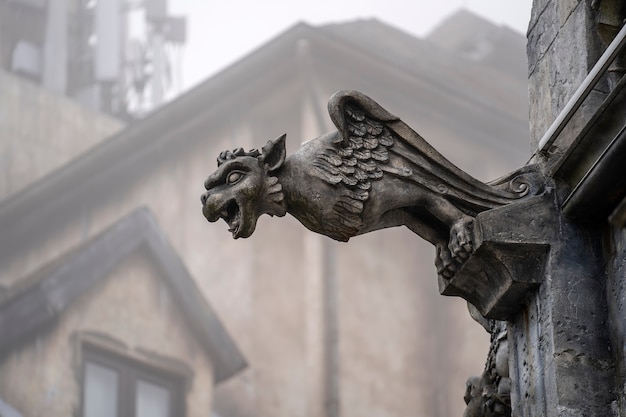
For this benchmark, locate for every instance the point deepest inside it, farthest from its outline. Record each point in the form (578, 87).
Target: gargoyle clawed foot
(451, 257)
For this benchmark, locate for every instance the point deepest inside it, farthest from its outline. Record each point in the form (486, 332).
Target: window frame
(130, 371)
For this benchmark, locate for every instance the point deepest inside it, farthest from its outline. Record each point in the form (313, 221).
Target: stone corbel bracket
(511, 251)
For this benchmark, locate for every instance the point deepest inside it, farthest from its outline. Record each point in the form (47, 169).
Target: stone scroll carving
(375, 172)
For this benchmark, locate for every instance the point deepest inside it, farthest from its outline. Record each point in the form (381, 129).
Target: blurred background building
(114, 289)
(118, 57)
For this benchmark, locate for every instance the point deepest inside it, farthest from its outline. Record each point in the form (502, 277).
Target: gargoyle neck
(274, 202)
(293, 179)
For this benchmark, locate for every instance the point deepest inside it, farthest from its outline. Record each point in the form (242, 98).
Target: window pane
(152, 400)
(100, 391)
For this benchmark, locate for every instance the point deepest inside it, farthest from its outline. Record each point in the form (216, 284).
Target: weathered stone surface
(593, 165)
(511, 252)
(567, 345)
(560, 351)
(490, 394)
(562, 47)
(374, 172)
(616, 295)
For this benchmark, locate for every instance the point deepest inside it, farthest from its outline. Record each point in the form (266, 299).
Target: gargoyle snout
(209, 207)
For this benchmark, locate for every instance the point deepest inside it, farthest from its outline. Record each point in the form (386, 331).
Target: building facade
(327, 329)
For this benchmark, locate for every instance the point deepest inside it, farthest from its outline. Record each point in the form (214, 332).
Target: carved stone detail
(376, 172)
(492, 240)
(489, 395)
(512, 245)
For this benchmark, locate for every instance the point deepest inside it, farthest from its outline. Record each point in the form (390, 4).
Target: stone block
(511, 250)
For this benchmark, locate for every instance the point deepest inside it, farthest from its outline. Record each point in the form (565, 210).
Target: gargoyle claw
(452, 256)
(461, 240)
(446, 266)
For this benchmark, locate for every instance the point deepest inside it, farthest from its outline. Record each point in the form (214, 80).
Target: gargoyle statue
(372, 173)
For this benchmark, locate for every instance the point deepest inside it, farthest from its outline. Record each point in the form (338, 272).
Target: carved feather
(350, 161)
(344, 152)
(356, 142)
(353, 206)
(359, 175)
(357, 129)
(380, 155)
(363, 155)
(331, 157)
(385, 138)
(347, 169)
(367, 166)
(371, 143)
(354, 113)
(374, 128)
(353, 160)
(364, 185)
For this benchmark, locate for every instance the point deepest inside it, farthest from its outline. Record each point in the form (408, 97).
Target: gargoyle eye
(234, 177)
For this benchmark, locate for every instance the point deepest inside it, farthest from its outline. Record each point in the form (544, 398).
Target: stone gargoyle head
(243, 188)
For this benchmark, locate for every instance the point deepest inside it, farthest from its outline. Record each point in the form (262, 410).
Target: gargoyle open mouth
(232, 216)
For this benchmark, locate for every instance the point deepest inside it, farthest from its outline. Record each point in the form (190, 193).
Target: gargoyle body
(372, 173)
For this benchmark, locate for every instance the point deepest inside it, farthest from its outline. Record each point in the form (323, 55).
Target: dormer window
(114, 386)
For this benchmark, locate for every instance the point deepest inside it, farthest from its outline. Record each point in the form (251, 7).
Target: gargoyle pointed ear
(273, 153)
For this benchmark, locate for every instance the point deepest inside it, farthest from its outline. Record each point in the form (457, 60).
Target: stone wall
(567, 345)
(561, 352)
(616, 291)
(562, 47)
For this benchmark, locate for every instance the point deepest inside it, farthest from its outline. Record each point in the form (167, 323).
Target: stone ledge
(511, 252)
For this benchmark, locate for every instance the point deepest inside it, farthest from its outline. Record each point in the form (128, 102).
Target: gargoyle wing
(372, 141)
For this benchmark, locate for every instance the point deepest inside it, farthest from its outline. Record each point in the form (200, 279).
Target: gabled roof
(41, 298)
(482, 41)
(439, 59)
(129, 155)
(119, 160)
